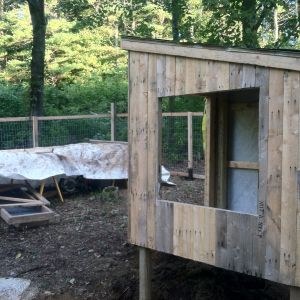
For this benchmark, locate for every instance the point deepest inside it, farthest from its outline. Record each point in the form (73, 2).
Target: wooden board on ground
(20, 204)
(26, 215)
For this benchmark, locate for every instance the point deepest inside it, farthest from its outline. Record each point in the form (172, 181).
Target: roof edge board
(233, 55)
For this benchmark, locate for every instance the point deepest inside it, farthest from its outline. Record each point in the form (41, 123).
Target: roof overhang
(271, 59)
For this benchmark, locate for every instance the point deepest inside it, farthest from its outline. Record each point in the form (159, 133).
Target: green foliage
(13, 100)
(91, 96)
(85, 68)
(251, 23)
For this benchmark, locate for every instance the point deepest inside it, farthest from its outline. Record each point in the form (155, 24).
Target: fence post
(190, 145)
(35, 132)
(112, 122)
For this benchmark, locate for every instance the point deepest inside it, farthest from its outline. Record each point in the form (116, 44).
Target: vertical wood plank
(235, 71)
(274, 174)
(164, 226)
(201, 75)
(138, 164)
(222, 155)
(132, 94)
(262, 80)
(217, 78)
(153, 169)
(170, 75)
(161, 75)
(248, 80)
(180, 78)
(209, 187)
(296, 97)
(190, 76)
(221, 239)
(241, 76)
(289, 205)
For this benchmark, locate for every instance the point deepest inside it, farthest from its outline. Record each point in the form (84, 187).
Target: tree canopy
(85, 69)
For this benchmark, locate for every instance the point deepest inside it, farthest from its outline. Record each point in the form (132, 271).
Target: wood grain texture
(153, 149)
(209, 186)
(138, 140)
(161, 75)
(289, 205)
(222, 152)
(194, 232)
(180, 76)
(164, 226)
(241, 56)
(263, 245)
(241, 76)
(273, 205)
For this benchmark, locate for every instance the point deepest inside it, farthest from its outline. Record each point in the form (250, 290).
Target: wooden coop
(250, 221)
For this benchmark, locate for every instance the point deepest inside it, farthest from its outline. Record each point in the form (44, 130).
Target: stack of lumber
(20, 204)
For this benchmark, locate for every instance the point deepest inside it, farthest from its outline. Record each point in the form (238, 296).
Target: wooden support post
(221, 155)
(35, 132)
(294, 293)
(210, 159)
(190, 144)
(58, 189)
(145, 273)
(112, 122)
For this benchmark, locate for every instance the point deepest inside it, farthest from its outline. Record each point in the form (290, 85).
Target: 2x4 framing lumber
(243, 165)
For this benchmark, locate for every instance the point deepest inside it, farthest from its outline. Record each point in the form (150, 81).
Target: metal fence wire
(62, 132)
(54, 131)
(122, 129)
(175, 143)
(16, 134)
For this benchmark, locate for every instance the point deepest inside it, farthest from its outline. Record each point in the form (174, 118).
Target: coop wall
(266, 244)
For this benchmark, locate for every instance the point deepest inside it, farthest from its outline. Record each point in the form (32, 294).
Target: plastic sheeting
(101, 160)
(92, 161)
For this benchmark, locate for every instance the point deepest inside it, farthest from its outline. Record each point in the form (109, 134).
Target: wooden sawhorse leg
(58, 189)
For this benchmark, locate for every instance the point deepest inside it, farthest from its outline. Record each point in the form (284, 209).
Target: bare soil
(85, 255)
(187, 191)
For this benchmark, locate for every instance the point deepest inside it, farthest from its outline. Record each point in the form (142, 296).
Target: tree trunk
(175, 20)
(38, 19)
(250, 38)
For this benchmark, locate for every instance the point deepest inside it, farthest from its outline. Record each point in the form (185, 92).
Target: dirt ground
(85, 255)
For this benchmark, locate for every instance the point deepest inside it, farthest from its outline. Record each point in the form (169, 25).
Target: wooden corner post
(145, 270)
(35, 132)
(112, 122)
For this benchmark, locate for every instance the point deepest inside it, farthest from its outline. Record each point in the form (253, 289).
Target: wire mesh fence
(53, 131)
(122, 129)
(62, 132)
(175, 143)
(16, 134)
(198, 149)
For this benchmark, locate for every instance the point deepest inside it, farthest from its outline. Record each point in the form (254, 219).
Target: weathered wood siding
(265, 245)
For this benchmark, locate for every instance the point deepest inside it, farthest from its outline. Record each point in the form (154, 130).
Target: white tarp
(90, 160)
(101, 160)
